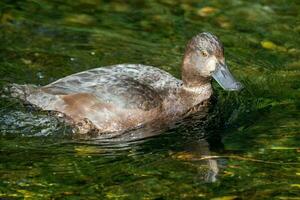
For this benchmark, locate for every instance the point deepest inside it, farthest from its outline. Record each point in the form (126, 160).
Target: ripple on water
(28, 124)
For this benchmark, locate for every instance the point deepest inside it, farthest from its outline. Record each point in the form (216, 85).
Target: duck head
(203, 59)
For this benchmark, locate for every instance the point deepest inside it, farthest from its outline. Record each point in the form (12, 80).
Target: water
(250, 148)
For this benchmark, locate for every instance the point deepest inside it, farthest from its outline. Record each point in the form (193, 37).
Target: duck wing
(125, 86)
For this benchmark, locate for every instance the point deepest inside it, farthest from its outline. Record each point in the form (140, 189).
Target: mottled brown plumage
(111, 100)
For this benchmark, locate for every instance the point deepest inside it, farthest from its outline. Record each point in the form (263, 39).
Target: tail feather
(20, 91)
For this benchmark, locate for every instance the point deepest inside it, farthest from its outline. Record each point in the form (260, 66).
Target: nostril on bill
(238, 86)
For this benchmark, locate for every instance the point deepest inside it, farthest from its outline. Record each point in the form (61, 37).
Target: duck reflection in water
(193, 144)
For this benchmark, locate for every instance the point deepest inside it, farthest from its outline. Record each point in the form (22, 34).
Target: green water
(250, 150)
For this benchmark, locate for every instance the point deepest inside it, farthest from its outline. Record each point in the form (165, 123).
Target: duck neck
(195, 88)
(189, 73)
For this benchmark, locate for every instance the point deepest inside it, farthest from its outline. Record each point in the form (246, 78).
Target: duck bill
(225, 79)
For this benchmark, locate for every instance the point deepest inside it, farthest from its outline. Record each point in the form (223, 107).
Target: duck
(122, 97)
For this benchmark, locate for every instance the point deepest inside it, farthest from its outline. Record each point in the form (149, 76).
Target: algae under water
(249, 151)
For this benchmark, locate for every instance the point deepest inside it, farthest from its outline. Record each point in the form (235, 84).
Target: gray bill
(223, 76)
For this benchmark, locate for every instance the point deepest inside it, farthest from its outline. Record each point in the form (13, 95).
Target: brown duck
(118, 98)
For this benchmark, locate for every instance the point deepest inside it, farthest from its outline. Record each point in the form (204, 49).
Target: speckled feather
(106, 99)
(125, 85)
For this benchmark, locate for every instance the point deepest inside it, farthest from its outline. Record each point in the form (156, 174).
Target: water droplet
(40, 75)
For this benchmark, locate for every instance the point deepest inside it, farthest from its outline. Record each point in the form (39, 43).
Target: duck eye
(204, 53)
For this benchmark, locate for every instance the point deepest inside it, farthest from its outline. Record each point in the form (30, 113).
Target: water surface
(249, 148)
